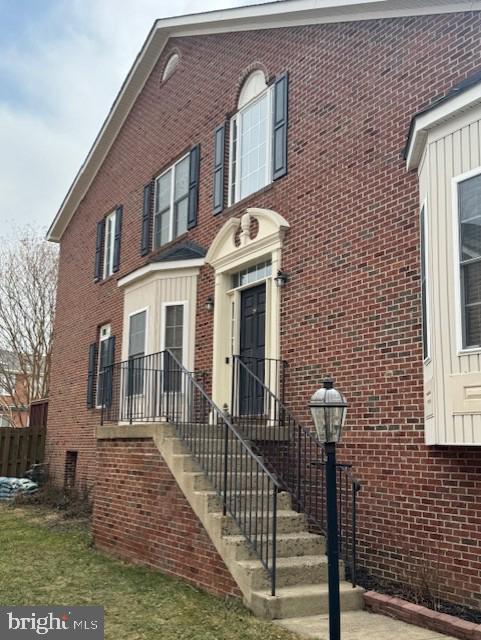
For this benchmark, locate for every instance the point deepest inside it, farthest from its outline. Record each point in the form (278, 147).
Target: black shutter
(219, 154)
(279, 140)
(145, 240)
(193, 186)
(99, 250)
(91, 375)
(108, 372)
(118, 233)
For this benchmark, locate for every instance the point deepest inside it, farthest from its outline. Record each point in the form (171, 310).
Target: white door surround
(239, 244)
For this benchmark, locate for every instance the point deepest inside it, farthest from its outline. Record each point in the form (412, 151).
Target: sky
(62, 63)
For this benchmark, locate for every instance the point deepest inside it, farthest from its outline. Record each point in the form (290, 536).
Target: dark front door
(252, 349)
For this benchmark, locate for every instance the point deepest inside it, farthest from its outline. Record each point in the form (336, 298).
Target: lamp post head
(328, 408)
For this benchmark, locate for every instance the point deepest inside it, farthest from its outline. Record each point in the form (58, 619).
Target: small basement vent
(70, 469)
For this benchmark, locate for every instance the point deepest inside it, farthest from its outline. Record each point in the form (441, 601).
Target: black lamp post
(328, 407)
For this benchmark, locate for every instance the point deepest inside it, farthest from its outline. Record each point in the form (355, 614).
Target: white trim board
(263, 16)
(153, 267)
(434, 117)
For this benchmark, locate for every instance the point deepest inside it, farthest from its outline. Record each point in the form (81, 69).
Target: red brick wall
(142, 516)
(351, 308)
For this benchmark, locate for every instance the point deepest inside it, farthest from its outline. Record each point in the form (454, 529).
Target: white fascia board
(154, 267)
(271, 15)
(436, 116)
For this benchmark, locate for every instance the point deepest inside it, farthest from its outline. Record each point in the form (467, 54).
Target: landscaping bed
(47, 559)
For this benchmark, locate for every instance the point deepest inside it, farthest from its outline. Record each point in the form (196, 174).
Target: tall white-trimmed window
(174, 340)
(250, 166)
(171, 202)
(424, 282)
(109, 244)
(469, 230)
(103, 361)
(137, 338)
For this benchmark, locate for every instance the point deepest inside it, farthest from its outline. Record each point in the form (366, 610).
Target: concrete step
(288, 545)
(287, 522)
(213, 460)
(245, 501)
(204, 446)
(303, 600)
(291, 571)
(238, 481)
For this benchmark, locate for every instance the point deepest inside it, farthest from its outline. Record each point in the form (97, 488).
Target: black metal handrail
(295, 455)
(164, 389)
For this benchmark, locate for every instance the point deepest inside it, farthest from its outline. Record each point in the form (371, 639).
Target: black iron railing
(141, 389)
(295, 455)
(158, 387)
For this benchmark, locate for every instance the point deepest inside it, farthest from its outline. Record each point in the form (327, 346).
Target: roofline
(434, 116)
(262, 16)
(156, 267)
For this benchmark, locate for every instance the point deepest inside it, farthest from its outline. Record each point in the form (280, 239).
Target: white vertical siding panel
(436, 344)
(458, 431)
(476, 429)
(444, 367)
(452, 366)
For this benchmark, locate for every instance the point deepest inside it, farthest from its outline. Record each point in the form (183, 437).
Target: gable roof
(264, 16)
(462, 96)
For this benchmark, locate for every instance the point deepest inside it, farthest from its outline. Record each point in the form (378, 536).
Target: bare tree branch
(28, 281)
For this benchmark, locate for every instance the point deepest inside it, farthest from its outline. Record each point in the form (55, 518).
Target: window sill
(240, 204)
(469, 352)
(167, 245)
(114, 277)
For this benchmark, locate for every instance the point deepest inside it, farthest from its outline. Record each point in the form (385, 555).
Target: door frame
(228, 254)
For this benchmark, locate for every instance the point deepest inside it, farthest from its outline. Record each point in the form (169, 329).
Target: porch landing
(360, 625)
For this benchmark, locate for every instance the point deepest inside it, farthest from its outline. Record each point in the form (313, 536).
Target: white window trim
(185, 330)
(457, 267)
(427, 319)
(134, 313)
(269, 163)
(109, 267)
(172, 200)
(102, 338)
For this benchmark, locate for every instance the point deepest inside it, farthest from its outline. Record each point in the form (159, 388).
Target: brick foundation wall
(352, 305)
(141, 516)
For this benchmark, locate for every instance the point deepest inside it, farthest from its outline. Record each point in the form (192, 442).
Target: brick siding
(352, 305)
(142, 516)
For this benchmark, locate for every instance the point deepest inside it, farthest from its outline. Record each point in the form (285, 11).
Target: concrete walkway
(360, 625)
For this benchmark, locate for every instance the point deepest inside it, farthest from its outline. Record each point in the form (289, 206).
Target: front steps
(301, 564)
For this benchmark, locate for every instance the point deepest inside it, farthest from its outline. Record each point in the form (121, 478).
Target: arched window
(250, 143)
(171, 66)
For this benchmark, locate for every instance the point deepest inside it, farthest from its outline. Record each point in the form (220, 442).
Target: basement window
(70, 469)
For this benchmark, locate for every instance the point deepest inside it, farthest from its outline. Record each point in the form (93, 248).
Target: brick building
(279, 193)
(13, 396)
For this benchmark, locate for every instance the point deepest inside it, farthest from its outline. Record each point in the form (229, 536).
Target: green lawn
(43, 560)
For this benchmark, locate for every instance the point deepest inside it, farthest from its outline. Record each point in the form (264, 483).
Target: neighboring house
(281, 192)
(13, 408)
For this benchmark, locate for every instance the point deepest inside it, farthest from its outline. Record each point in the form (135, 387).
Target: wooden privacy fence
(20, 449)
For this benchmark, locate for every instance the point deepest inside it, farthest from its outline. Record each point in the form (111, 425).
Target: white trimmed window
(103, 361)
(171, 66)
(469, 230)
(109, 244)
(137, 339)
(250, 166)
(171, 202)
